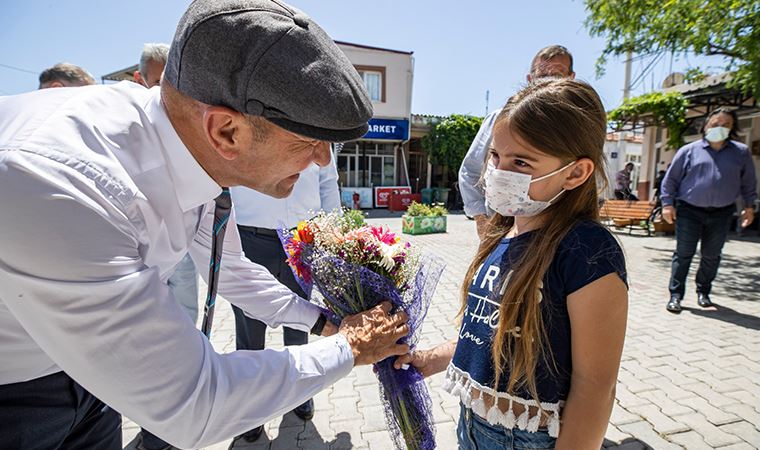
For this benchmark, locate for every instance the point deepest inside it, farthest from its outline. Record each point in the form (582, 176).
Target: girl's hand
(419, 359)
(430, 361)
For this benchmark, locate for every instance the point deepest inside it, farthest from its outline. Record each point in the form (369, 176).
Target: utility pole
(487, 94)
(627, 85)
(621, 150)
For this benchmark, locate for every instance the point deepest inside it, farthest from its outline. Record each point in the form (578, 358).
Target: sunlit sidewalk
(689, 381)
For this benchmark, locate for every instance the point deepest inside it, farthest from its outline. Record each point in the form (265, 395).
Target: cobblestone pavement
(688, 381)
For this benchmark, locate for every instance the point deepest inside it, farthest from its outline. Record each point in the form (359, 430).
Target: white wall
(399, 68)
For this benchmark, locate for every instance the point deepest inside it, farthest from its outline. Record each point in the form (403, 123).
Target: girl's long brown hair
(565, 119)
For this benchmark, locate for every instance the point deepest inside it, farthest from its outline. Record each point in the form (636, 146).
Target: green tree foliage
(667, 109)
(449, 139)
(727, 28)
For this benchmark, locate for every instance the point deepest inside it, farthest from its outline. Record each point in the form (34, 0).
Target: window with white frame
(374, 81)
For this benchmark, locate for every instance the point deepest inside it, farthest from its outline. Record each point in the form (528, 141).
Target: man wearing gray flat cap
(105, 189)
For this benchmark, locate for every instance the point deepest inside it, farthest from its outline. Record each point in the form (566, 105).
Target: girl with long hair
(544, 302)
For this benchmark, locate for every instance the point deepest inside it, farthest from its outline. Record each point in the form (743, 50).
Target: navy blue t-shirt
(587, 253)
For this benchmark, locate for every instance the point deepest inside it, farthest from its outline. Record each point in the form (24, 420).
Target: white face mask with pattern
(507, 192)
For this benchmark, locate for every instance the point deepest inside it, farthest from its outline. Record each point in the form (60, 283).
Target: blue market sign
(388, 129)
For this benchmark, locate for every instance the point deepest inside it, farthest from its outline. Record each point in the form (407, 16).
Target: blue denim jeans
(695, 224)
(475, 433)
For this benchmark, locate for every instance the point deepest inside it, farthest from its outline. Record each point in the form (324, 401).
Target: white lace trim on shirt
(461, 384)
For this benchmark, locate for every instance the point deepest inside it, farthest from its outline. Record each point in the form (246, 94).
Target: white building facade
(377, 163)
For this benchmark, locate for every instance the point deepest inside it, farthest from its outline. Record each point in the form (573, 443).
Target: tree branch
(714, 49)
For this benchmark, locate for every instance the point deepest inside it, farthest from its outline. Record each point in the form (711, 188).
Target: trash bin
(427, 195)
(442, 195)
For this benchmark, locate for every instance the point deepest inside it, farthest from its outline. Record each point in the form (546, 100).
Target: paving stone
(708, 393)
(365, 376)
(614, 435)
(322, 402)
(633, 383)
(720, 385)
(348, 435)
(746, 398)
(374, 420)
(643, 431)
(343, 388)
(746, 412)
(345, 409)
(379, 440)
(369, 395)
(744, 430)
(628, 399)
(752, 366)
(691, 440)
(713, 414)
(661, 423)
(740, 446)
(621, 416)
(318, 428)
(712, 435)
(667, 406)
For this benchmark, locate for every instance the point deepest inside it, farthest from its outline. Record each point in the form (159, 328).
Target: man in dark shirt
(623, 184)
(700, 189)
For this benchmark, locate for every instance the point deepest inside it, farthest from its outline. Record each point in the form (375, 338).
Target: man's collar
(193, 187)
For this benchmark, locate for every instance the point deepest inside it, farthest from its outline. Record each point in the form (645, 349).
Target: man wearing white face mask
(699, 189)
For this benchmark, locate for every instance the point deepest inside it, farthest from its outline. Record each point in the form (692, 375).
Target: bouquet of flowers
(355, 266)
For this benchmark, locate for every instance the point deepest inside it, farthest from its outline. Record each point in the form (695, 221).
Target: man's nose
(322, 155)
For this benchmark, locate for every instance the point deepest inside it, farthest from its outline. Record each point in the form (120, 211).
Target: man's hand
(373, 334)
(748, 216)
(329, 329)
(481, 224)
(668, 214)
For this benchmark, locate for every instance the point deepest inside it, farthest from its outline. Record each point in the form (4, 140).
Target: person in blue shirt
(699, 192)
(545, 301)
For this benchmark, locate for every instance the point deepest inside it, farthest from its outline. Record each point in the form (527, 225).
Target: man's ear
(224, 130)
(580, 172)
(138, 78)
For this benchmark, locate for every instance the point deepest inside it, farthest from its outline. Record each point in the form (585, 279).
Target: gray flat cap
(265, 58)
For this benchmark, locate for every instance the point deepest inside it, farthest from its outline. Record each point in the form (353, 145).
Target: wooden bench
(628, 213)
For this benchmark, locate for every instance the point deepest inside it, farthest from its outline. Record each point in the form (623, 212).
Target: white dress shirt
(472, 167)
(316, 189)
(100, 201)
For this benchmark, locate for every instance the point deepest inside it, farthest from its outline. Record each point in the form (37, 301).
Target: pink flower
(384, 235)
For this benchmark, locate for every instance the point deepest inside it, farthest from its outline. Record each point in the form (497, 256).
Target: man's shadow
(294, 433)
(729, 315)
